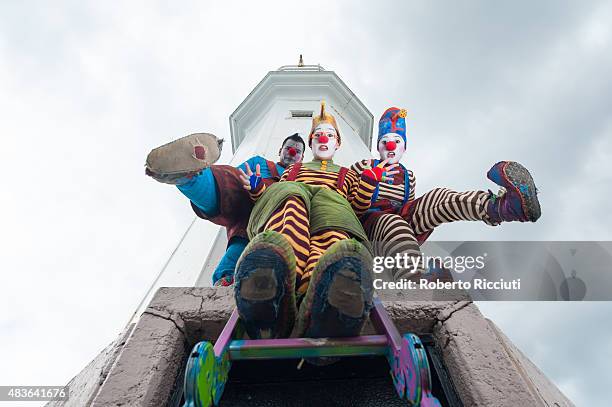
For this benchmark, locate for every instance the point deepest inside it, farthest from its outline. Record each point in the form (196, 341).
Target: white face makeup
(391, 146)
(324, 149)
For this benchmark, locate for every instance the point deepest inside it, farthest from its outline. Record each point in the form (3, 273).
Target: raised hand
(387, 170)
(250, 180)
(382, 171)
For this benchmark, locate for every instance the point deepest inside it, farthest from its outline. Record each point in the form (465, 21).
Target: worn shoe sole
(265, 287)
(345, 293)
(187, 155)
(518, 179)
(340, 292)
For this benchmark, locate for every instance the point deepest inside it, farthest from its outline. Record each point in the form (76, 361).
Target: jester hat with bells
(323, 117)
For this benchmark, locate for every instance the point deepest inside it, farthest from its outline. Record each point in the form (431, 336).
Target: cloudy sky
(88, 88)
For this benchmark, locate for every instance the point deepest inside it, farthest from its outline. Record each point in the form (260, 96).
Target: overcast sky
(88, 88)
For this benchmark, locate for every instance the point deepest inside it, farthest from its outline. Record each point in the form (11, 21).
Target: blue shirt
(263, 164)
(202, 189)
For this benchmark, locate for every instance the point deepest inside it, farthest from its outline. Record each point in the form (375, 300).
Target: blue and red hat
(393, 120)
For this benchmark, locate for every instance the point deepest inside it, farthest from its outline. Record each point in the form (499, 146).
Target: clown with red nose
(397, 222)
(309, 262)
(392, 135)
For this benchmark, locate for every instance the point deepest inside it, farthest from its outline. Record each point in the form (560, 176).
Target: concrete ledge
(85, 385)
(483, 369)
(146, 372)
(538, 383)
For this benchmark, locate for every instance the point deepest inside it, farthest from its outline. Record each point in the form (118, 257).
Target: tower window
(301, 113)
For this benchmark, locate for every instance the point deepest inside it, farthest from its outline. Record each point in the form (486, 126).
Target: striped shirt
(392, 192)
(357, 189)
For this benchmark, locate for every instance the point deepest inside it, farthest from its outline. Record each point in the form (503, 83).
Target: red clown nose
(291, 151)
(390, 146)
(323, 139)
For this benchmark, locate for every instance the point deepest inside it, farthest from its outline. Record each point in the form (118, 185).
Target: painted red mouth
(391, 154)
(323, 148)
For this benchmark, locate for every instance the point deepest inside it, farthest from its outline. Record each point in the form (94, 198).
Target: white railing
(307, 68)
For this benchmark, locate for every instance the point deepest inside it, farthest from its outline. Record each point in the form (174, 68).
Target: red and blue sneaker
(520, 200)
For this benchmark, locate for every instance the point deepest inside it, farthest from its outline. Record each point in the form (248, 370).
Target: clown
(306, 240)
(399, 223)
(215, 191)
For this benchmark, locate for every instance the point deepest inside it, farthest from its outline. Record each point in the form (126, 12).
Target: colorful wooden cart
(209, 365)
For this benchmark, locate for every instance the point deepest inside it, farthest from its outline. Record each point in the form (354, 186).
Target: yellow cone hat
(323, 117)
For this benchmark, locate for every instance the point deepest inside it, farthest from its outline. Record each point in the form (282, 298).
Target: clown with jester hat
(398, 223)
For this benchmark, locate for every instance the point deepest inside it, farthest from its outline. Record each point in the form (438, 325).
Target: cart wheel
(221, 372)
(405, 373)
(205, 376)
(427, 398)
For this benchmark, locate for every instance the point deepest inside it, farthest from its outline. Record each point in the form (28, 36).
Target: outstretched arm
(202, 191)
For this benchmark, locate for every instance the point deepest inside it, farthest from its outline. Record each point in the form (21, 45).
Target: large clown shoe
(178, 161)
(265, 286)
(339, 296)
(519, 202)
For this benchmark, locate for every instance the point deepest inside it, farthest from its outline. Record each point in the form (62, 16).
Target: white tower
(474, 363)
(281, 104)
